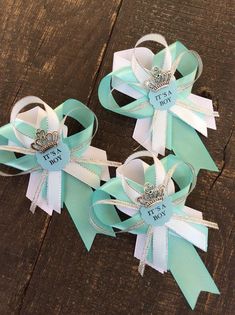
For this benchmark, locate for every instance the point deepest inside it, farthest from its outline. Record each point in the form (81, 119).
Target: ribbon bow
(166, 229)
(167, 114)
(63, 167)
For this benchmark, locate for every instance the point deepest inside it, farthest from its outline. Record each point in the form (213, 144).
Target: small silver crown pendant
(151, 195)
(158, 79)
(45, 141)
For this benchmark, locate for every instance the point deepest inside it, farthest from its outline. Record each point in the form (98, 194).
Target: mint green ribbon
(181, 137)
(76, 195)
(184, 262)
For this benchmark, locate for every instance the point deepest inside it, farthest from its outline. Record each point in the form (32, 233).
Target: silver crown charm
(158, 79)
(151, 195)
(45, 141)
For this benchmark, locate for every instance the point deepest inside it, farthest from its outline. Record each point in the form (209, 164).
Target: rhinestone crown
(158, 79)
(45, 141)
(151, 195)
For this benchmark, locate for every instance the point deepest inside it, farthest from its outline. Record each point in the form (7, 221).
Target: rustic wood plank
(43, 51)
(66, 279)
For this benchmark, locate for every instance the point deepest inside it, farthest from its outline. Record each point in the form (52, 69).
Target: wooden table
(61, 49)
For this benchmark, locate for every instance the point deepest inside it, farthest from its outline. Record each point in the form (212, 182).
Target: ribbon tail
(159, 131)
(143, 260)
(189, 117)
(188, 270)
(38, 191)
(160, 248)
(142, 132)
(78, 206)
(194, 152)
(32, 186)
(197, 235)
(54, 182)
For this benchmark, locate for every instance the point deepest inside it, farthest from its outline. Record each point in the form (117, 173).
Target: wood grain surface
(61, 49)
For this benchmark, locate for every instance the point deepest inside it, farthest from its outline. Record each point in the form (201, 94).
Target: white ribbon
(142, 71)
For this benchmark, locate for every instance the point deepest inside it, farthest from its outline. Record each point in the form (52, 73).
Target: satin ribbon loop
(52, 119)
(180, 59)
(140, 70)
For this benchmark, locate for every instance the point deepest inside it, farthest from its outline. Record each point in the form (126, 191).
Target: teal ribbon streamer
(184, 262)
(188, 270)
(181, 137)
(75, 194)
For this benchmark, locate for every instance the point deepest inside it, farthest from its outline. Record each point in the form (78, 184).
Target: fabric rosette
(168, 114)
(64, 168)
(153, 197)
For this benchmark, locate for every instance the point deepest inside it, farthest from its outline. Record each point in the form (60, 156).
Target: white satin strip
(32, 186)
(160, 248)
(208, 105)
(145, 251)
(54, 182)
(197, 107)
(159, 131)
(43, 177)
(190, 118)
(188, 232)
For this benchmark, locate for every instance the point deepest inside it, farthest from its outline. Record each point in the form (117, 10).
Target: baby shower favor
(63, 167)
(153, 197)
(168, 114)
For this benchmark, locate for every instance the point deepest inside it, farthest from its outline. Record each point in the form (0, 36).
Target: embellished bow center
(159, 79)
(152, 195)
(45, 140)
